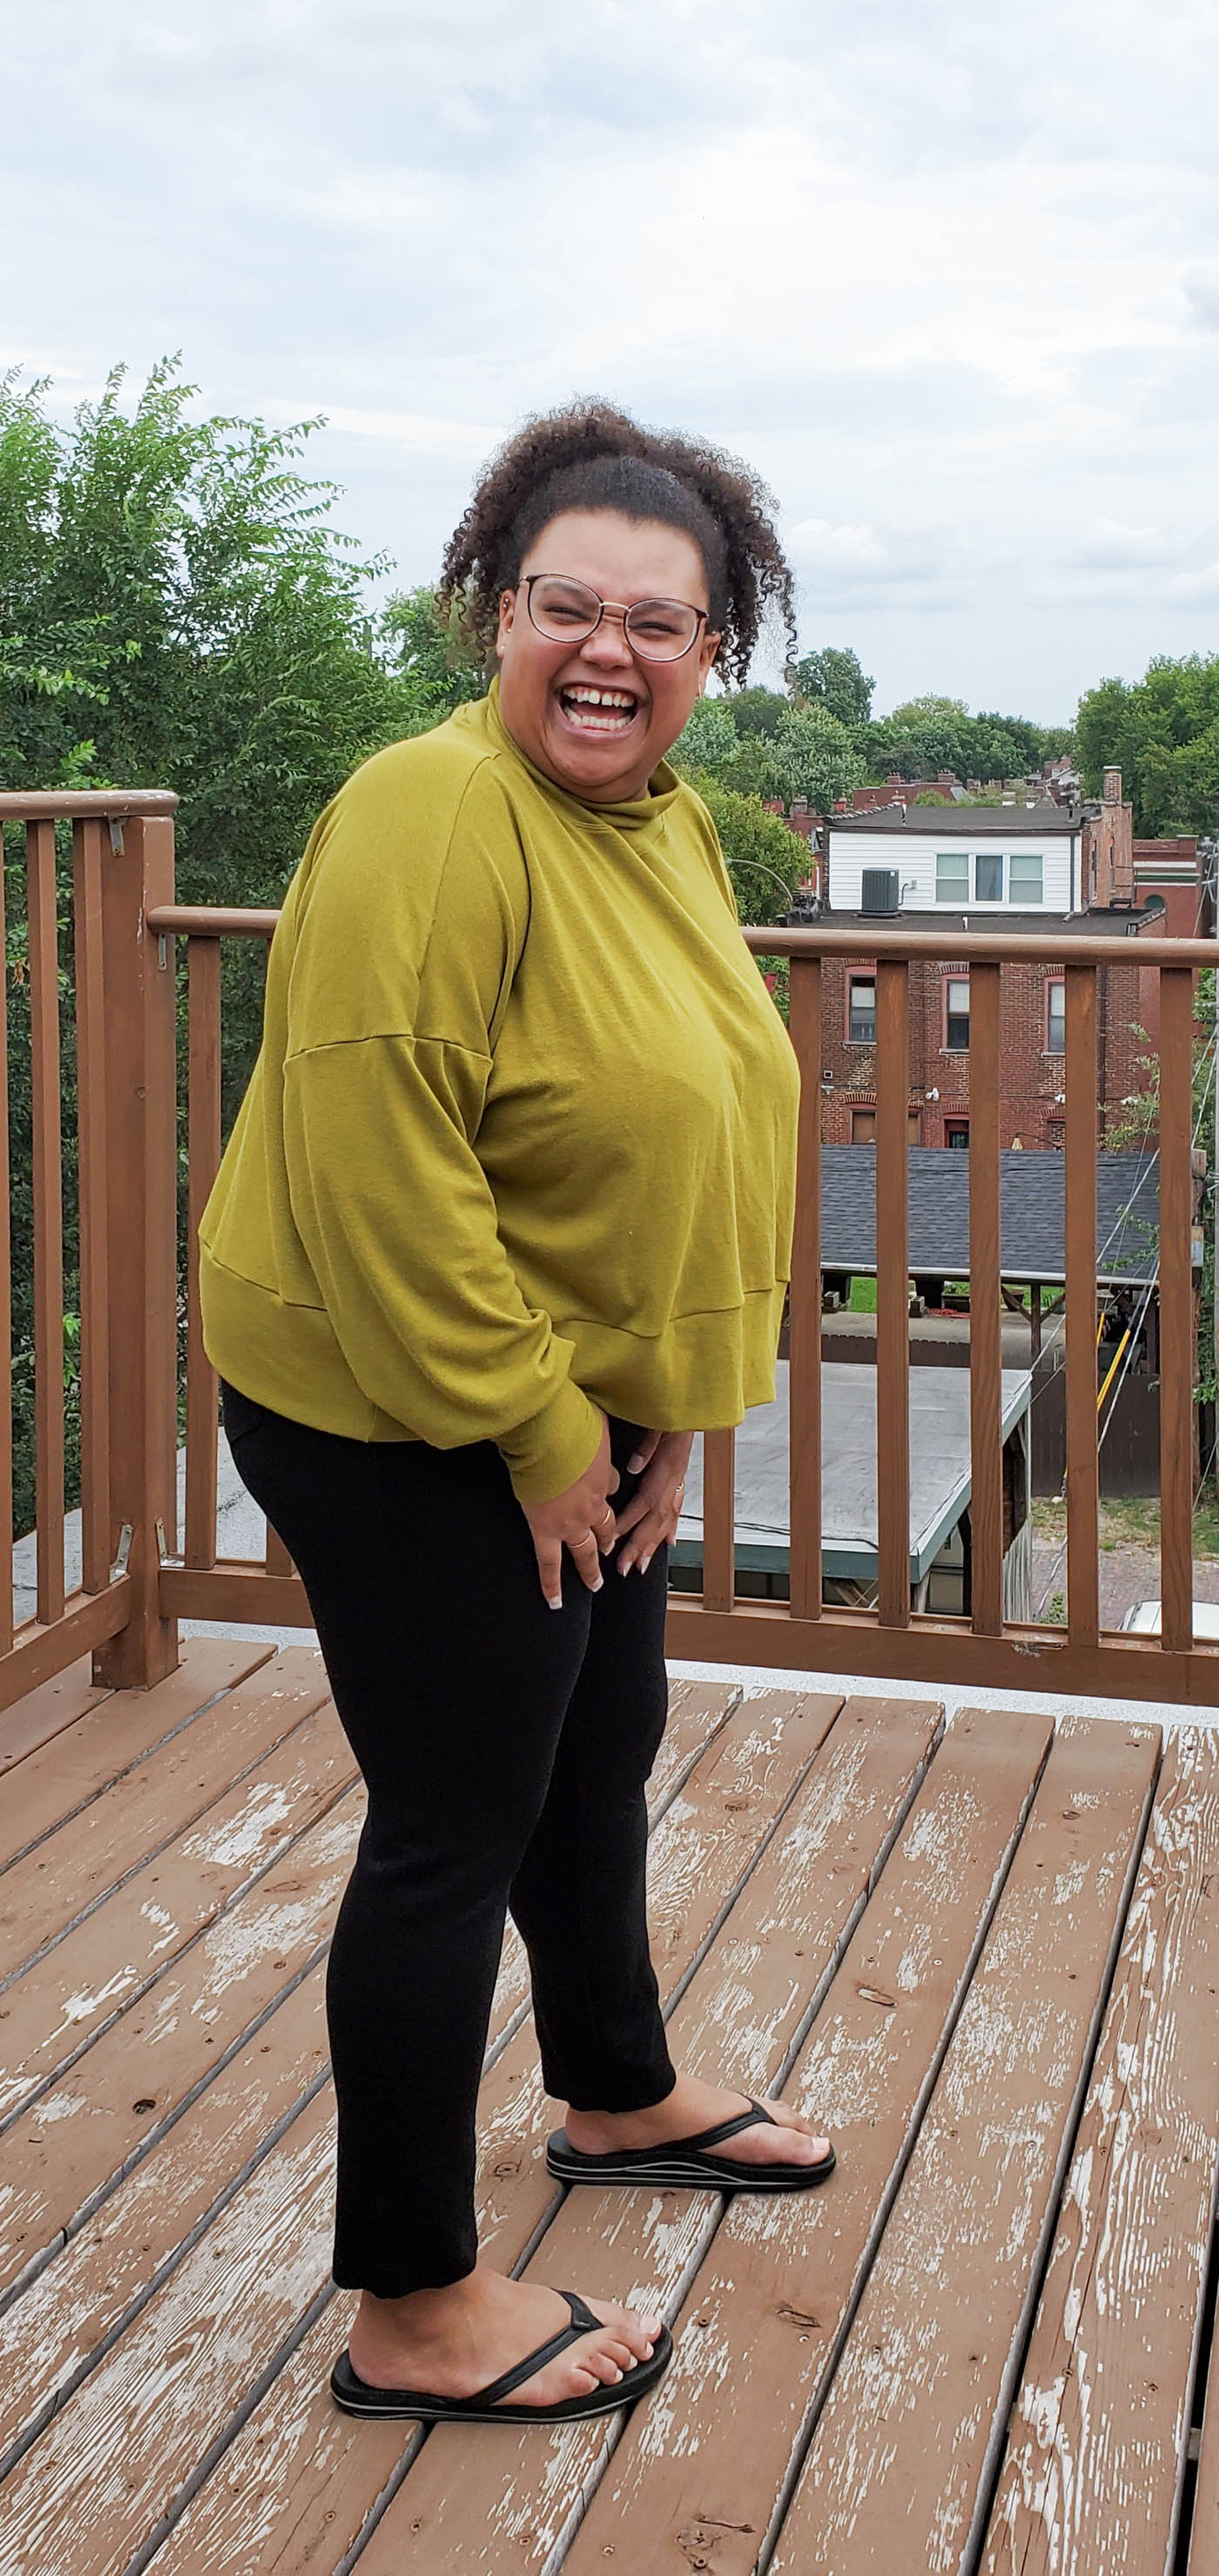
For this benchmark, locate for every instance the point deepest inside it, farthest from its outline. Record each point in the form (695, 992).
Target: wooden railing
(136, 1582)
(120, 1001)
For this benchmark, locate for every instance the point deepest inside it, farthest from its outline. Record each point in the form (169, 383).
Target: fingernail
(555, 1600)
(644, 1563)
(634, 1464)
(599, 1585)
(623, 1566)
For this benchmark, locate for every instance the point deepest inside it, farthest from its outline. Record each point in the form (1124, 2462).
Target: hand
(580, 1520)
(651, 1514)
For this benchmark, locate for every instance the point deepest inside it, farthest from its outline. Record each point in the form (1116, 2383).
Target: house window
(861, 1020)
(1024, 877)
(956, 1132)
(863, 1126)
(1056, 1018)
(989, 878)
(956, 1013)
(952, 876)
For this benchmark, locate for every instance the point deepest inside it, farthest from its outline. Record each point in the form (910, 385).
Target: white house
(957, 860)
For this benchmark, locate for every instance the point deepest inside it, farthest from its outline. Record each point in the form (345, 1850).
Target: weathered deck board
(751, 1776)
(918, 2404)
(698, 2471)
(49, 1710)
(104, 2113)
(156, 1799)
(844, 1916)
(59, 2005)
(58, 1777)
(78, 2300)
(310, 2485)
(1097, 2451)
(505, 2507)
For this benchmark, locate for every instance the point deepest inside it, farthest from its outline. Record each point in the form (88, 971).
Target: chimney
(1111, 792)
(1109, 848)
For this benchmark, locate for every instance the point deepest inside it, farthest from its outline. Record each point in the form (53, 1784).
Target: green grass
(1133, 1522)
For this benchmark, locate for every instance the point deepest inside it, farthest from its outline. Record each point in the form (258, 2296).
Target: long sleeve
(391, 1020)
(400, 1227)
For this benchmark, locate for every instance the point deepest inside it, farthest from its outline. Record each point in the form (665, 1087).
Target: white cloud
(944, 275)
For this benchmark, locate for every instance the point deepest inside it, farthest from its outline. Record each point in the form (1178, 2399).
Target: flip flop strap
(715, 2137)
(582, 2322)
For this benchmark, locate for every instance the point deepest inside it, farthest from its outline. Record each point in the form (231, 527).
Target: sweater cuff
(548, 1452)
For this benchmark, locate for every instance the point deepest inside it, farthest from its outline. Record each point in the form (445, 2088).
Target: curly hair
(590, 456)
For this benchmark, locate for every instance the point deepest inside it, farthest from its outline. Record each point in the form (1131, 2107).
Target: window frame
(960, 894)
(949, 1046)
(989, 858)
(1055, 984)
(859, 975)
(1027, 857)
(958, 1143)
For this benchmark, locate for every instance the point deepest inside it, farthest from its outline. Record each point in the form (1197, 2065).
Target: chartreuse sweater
(520, 1139)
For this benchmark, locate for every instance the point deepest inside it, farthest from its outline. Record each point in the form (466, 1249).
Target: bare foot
(455, 2341)
(784, 2138)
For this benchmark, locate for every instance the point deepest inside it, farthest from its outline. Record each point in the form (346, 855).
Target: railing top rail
(985, 947)
(210, 921)
(56, 805)
(218, 921)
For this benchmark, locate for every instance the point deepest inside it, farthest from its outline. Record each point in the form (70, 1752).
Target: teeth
(600, 697)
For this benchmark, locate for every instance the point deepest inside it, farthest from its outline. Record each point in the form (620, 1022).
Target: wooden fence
(137, 1582)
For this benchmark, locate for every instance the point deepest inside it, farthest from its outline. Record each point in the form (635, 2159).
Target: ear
(507, 618)
(707, 653)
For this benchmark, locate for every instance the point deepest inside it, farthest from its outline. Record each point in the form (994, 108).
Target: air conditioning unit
(879, 890)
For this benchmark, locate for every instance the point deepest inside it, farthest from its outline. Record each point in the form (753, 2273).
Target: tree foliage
(836, 679)
(1162, 732)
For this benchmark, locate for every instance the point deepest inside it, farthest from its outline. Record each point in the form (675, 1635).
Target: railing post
(142, 1246)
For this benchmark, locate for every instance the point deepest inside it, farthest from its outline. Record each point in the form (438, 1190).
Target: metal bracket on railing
(120, 1563)
(116, 835)
(162, 1549)
(162, 949)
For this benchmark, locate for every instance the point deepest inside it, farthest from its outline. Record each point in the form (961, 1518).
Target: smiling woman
(506, 1216)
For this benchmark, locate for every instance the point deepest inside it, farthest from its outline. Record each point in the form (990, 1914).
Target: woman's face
(603, 747)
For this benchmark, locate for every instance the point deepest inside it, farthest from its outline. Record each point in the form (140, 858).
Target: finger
(606, 1532)
(648, 1445)
(612, 1481)
(643, 1542)
(549, 1555)
(587, 1558)
(632, 1513)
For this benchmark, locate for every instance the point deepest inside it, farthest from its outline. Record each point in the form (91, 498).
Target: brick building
(1035, 868)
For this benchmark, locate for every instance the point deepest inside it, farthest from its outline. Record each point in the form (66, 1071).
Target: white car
(1145, 1617)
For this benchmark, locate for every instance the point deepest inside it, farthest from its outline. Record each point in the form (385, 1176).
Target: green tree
(710, 739)
(757, 711)
(177, 609)
(836, 679)
(436, 667)
(1162, 732)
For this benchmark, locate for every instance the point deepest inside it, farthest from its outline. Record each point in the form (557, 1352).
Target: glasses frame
(617, 608)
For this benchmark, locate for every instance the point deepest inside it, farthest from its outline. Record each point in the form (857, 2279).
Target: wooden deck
(986, 1957)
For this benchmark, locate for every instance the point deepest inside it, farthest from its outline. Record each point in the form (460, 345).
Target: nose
(607, 646)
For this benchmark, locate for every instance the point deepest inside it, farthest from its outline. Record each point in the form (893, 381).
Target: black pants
(505, 1747)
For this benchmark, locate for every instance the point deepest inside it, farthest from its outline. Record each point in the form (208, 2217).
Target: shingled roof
(1031, 1196)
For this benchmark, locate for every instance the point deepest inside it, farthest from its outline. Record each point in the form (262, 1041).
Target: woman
(505, 1216)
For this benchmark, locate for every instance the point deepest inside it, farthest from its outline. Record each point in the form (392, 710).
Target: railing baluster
(1176, 1310)
(48, 1220)
(92, 1204)
(892, 1292)
(1083, 1599)
(719, 1519)
(277, 1559)
(6, 1294)
(804, 1314)
(203, 1157)
(985, 1325)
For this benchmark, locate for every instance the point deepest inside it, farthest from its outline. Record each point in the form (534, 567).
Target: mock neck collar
(633, 814)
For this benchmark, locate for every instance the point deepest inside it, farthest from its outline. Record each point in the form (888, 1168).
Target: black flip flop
(356, 2397)
(686, 2161)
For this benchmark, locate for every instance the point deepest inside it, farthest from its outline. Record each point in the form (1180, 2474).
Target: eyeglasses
(567, 612)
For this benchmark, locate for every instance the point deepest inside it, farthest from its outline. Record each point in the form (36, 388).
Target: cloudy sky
(945, 271)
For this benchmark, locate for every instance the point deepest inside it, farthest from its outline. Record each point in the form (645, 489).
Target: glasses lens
(564, 610)
(661, 629)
